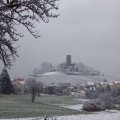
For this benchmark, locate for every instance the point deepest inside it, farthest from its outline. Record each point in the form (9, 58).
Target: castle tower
(68, 60)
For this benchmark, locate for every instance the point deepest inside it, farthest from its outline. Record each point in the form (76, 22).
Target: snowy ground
(105, 115)
(82, 100)
(113, 115)
(50, 78)
(74, 107)
(77, 106)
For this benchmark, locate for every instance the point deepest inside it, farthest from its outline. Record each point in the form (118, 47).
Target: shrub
(94, 105)
(105, 101)
(108, 99)
(117, 100)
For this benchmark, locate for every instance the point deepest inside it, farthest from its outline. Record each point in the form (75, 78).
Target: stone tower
(68, 60)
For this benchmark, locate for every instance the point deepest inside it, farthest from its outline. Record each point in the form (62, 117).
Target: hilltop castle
(68, 66)
(76, 68)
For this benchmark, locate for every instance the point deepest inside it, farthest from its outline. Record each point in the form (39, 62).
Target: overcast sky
(89, 30)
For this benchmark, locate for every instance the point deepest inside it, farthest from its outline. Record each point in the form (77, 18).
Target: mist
(89, 30)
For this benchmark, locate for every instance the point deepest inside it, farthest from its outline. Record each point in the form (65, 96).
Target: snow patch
(105, 115)
(74, 107)
(52, 73)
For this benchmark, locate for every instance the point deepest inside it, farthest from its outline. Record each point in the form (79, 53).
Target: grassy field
(57, 100)
(16, 106)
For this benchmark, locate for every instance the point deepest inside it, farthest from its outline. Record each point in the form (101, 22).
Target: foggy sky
(89, 30)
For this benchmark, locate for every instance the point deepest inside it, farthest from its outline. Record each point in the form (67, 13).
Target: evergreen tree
(5, 83)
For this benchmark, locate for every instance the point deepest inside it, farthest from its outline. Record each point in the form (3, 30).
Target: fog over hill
(69, 72)
(89, 30)
(55, 78)
(68, 67)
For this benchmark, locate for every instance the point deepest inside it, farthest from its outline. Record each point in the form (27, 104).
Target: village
(59, 60)
(68, 81)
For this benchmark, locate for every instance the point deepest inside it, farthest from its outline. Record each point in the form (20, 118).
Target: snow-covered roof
(110, 83)
(116, 82)
(90, 83)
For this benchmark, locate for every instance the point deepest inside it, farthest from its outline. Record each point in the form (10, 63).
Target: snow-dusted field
(106, 115)
(57, 77)
(74, 107)
(115, 115)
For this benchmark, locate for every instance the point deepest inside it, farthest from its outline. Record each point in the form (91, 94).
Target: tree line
(7, 87)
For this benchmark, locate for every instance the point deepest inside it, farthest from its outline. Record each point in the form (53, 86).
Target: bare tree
(47, 67)
(33, 92)
(108, 99)
(34, 87)
(21, 12)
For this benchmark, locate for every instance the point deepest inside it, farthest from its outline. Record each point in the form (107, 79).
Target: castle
(76, 68)
(68, 66)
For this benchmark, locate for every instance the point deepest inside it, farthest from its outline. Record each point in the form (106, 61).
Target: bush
(18, 89)
(94, 105)
(105, 101)
(108, 99)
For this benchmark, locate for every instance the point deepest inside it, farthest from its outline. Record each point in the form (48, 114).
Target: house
(116, 85)
(18, 81)
(19, 85)
(80, 93)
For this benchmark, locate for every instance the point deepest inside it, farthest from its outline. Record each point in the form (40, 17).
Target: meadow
(20, 106)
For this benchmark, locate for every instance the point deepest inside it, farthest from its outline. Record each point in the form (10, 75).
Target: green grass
(16, 106)
(57, 100)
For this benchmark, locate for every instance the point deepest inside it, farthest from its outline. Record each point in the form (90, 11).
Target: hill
(55, 78)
